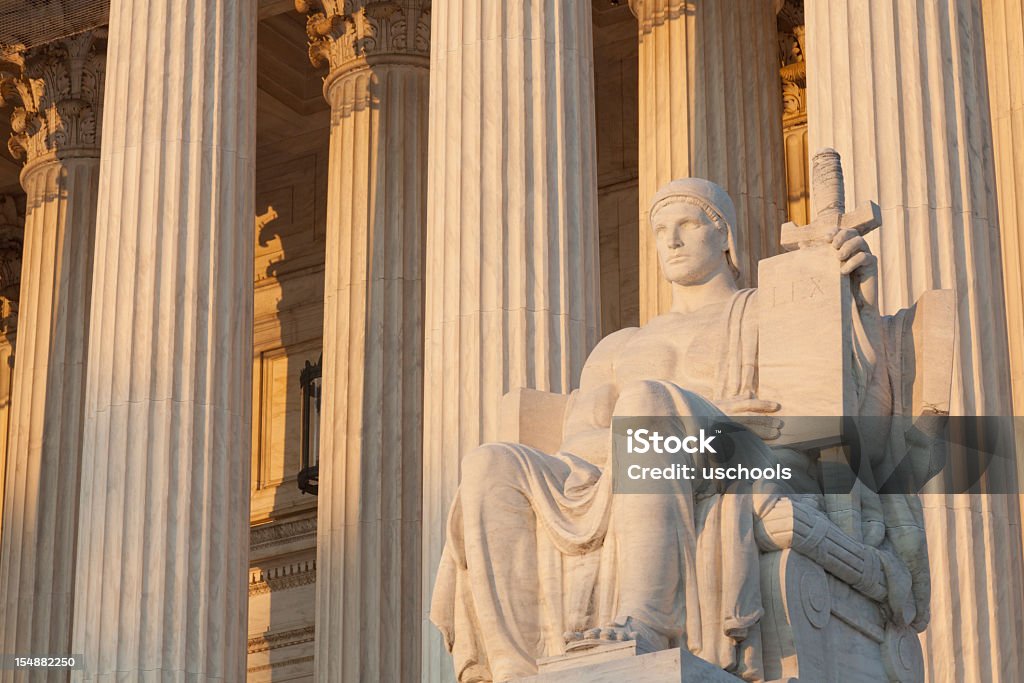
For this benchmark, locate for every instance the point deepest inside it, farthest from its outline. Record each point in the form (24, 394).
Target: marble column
(164, 517)
(512, 233)
(58, 105)
(368, 520)
(1004, 52)
(1004, 59)
(898, 88)
(710, 106)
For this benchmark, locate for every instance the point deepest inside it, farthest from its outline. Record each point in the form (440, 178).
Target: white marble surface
(512, 232)
(44, 439)
(368, 606)
(913, 126)
(164, 524)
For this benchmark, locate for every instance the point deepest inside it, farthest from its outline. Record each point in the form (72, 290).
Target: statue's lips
(677, 259)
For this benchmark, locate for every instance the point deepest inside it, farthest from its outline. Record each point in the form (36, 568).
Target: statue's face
(690, 247)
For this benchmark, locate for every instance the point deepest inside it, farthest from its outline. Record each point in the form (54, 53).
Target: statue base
(667, 666)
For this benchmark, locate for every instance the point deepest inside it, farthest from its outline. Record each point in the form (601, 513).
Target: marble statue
(541, 555)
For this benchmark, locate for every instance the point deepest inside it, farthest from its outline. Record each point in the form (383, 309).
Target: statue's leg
(500, 529)
(655, 533)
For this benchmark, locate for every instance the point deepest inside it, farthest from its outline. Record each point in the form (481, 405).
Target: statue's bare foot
(618, 630)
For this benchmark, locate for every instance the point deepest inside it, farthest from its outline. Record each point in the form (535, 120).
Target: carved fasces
(56, 92)
(343, 31)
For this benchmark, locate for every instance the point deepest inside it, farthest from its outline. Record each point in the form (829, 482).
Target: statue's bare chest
(685, 349)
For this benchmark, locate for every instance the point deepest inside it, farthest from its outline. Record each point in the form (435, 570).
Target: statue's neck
(718, 289)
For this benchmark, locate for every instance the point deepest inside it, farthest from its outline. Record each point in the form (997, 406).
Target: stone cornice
(346, 32)
(270, 641)
(281, 578)
(56, 92)
(273, 534)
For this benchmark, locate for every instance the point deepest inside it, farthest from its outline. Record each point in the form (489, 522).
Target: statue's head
(694, 223)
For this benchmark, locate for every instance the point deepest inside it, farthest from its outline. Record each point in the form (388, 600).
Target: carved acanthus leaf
(56, 92)
(342, 31)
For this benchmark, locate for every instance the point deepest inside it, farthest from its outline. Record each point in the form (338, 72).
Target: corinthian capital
(344, 31)
(652, 13)
(56, 93)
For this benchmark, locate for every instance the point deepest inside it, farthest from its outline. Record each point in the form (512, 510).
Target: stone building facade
(445, 200)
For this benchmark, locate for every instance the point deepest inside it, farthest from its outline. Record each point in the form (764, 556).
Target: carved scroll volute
(345, 31)
(56, 95)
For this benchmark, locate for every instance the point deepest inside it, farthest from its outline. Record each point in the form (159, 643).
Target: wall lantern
(310, 380)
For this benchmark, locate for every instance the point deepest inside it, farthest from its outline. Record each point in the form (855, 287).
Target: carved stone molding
(279, 664)
(273, 640)
(344, 33)
(281, 578)
(272, 534)
(56, 91)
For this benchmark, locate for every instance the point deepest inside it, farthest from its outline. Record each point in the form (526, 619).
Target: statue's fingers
(856, 261)
(592, 633)
(844, 235)
(851, 247)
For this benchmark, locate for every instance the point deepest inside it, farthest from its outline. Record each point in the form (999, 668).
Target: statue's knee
(645, 397)
(488, 467)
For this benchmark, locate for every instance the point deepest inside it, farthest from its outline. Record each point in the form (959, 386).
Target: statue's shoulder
(610, 346)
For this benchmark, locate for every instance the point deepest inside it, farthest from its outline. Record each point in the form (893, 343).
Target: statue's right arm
(589, 414)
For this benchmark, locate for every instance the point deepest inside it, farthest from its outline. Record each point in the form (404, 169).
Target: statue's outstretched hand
(861, 265)
(753, 414)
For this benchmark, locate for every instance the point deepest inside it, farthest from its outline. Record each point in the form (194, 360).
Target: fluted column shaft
(1004, 58)
(368, 519)
(164, 517)
(898, 88)
(1004, 49)
(512, 232)
(710, 107)
(60, 89)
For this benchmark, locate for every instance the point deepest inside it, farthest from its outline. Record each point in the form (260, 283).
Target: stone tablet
(804, 343)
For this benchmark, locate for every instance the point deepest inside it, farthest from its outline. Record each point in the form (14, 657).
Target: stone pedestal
(512, 232)
(930, 168)
(710, 107)
(164, 518)
(368, 526)
(55, 131)
(667, 666)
